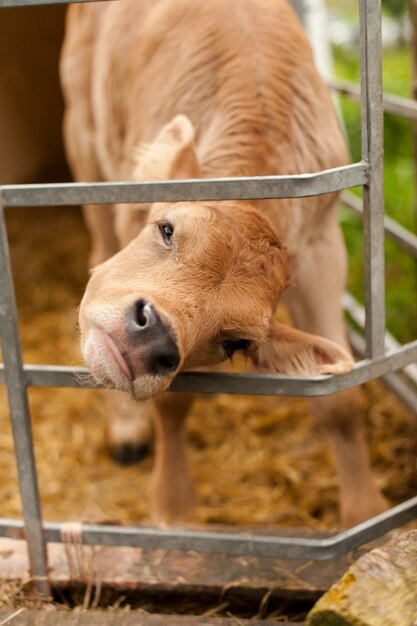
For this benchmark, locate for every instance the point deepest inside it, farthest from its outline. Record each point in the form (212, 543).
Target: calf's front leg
(172, 487)
(129, 427)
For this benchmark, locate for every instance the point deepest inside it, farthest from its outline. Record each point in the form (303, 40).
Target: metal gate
(377, 360)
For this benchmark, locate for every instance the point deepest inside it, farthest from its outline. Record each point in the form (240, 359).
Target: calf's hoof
(130, 453)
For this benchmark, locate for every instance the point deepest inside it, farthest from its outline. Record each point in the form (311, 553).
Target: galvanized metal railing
(378, 362)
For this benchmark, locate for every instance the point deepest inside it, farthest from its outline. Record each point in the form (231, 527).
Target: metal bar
(300, 8)
(246, 384)
(247, 188)
(405, 393)
(373, 152)
(232, 543)
(19, 412)
(396, 105)
(396, 232)
(33, 3)
(357, 313)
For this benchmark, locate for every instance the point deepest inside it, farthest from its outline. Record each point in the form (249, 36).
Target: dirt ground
(256, 461)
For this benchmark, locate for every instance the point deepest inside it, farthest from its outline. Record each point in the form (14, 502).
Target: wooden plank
(215, 576)
(123, 618)
(380, 588)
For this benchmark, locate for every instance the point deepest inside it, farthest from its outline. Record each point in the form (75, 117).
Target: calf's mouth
(139, 354)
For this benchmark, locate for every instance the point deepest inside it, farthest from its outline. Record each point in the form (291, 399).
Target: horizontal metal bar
(396, 105)
(249, 384)
(33, 3)
(357, 313)
(230, 543)
(248, 188)
(404, 391)
(396, 232)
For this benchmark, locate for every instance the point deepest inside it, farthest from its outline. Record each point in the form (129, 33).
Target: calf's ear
(171, 155)
(293, 352)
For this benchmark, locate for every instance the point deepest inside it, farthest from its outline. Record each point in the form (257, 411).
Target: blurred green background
(401, 270)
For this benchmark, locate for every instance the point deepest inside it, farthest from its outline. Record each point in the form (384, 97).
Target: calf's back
(242, 71)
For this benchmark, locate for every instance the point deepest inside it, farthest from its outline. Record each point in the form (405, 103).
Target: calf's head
(198, 283)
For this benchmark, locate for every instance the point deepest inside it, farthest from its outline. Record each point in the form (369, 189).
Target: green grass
(401, 270)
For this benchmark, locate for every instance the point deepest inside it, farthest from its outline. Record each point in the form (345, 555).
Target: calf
(170, 89)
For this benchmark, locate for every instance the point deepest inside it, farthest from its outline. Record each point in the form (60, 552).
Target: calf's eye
(231, 346)
(167, 230)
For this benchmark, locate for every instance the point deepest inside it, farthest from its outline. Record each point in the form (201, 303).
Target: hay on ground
(256, 461)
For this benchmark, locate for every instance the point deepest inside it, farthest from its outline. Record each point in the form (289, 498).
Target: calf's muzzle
(148, 334)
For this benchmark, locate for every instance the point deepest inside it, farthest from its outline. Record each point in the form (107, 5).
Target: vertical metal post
(300, 8)
(19, 412)
(373, 152)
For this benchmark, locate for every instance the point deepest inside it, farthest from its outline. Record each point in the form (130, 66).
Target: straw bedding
(255, 460)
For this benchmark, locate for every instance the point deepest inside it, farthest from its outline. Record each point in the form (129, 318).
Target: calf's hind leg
(315, 306)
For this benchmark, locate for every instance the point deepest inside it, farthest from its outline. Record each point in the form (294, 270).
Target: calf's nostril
(150, 342)
(167, 363)
(164, 360)
(144, 314)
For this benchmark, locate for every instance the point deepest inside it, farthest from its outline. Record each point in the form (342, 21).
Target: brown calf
(168, 89)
